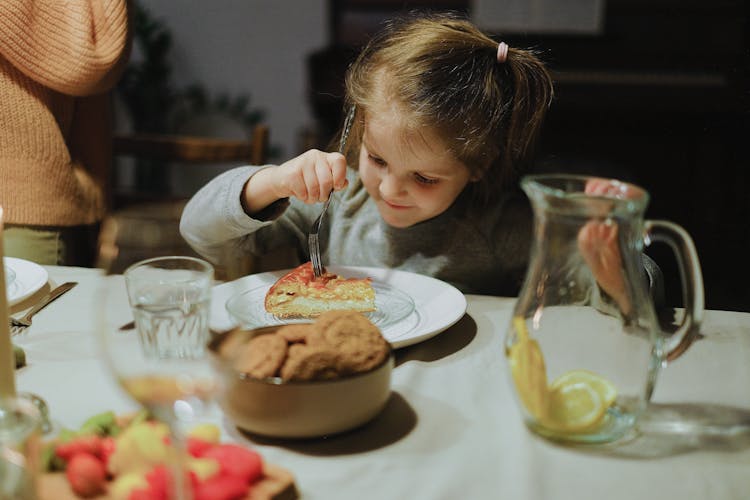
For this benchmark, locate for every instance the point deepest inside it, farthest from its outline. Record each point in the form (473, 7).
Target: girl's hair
(443, 73)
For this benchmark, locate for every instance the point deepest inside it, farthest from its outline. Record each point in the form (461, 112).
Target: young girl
(445, 119)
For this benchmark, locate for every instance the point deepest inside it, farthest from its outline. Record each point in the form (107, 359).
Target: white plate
(437, 305)
(30, 277)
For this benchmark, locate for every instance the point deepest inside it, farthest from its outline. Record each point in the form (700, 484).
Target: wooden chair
(176, 149)
(165, 151)
(195, 149)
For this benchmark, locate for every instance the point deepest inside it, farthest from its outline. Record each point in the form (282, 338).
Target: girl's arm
(214, 218)
(226, 213)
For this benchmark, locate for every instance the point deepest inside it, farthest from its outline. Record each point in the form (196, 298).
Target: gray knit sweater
(478, 252)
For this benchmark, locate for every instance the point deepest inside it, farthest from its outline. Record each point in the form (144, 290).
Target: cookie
(306, 362)
(263, 356)
(359, 343)
(295, 334)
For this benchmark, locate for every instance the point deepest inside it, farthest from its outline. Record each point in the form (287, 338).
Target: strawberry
(81, 444)
(106, 449)
(236, 461)
(86, 475)
(221, 488)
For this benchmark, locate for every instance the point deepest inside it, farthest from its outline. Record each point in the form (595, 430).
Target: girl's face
(410, 176)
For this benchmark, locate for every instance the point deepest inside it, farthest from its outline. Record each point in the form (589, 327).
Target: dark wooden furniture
(158, 152)
(195, 149)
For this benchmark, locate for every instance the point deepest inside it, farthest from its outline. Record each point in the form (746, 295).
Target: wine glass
(162, 363)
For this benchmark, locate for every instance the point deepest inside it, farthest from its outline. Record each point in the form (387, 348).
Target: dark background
(660, 98)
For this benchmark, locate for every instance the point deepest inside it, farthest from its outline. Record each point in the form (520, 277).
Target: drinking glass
(169, 298)
(162, 363)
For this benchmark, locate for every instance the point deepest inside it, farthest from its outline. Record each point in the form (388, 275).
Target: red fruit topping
(86, 475)
(91, 444)
(221, 488)
(237, 461)
(196, 446)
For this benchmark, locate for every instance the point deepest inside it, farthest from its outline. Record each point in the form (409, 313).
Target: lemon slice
(578, 401)
(606, 389)
(529, 372)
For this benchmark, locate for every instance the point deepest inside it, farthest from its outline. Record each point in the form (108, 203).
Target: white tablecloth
(451, 429)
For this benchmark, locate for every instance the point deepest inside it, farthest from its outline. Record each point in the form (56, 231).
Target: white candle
(7, 360)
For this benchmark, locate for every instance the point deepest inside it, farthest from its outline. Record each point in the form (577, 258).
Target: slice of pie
(300, 294)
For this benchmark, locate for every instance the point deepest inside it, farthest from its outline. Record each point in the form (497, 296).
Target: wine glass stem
(182, 490)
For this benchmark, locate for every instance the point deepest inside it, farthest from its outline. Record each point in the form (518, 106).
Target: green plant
(145, 86)
(157, 105)
(154, 102)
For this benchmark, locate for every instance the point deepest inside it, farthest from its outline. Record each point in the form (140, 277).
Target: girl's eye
(424, 180)
(376, 160)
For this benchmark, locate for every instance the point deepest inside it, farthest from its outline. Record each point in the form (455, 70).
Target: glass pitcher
(584, 346)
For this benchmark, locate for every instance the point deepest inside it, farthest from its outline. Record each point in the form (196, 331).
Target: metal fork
(312, 238)
(20, 324)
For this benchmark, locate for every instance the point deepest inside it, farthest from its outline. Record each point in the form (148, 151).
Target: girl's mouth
(395, 206)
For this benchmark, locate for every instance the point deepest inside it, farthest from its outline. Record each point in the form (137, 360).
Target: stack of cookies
(337, 344)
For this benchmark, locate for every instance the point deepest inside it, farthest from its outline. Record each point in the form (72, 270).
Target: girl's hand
(311, 176)
(599, 246)
(308, 177)
(597, 242)
(608, 187)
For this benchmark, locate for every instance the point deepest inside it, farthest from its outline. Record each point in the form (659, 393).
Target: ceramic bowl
(292, 409)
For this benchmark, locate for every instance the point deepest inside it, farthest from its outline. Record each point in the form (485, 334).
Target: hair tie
(502, 52)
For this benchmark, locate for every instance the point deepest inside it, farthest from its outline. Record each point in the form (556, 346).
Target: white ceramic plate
(30, 277)
(437, 305)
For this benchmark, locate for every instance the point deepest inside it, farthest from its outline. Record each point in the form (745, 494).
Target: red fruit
(146, 494)
(159, 480)
(91, 444)
(160, 485)
(86, 475)
(194, 480)
(106, 449)
(221, 488)
(237, 461)
(197, 447)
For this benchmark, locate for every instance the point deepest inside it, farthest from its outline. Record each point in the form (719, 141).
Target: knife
(127, 326)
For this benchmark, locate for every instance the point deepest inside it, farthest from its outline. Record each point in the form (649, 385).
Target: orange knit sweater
(57, 61)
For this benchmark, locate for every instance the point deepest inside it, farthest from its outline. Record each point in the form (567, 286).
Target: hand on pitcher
(598, 244)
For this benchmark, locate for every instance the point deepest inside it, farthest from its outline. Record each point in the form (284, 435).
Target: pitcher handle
(691, 280)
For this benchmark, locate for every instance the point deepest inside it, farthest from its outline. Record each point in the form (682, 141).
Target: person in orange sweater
(58, 62)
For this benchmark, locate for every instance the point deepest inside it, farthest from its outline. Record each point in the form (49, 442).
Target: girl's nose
(390, 186)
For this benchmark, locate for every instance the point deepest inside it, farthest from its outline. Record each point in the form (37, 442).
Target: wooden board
(277, 484)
